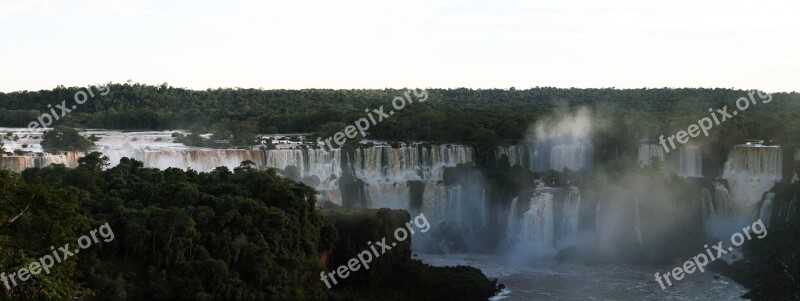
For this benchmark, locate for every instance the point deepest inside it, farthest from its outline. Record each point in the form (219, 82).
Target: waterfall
(388, 195)
(433, 205)
(647, 153)
(512, 226)
(325, 165)
(20, 163)
(723, 205)
(309, 162)
(752, 170)
(550, 218)
(515, 153)
(638, 221)
(199, 159)
(690, 161)
(448, 203)
(68, 159)
(17, 163)
(537, 225)
(331, 195)
(408, 163)
(574, 156)
(570, 217)
(707, 204)
(541, 156)
(765, 213)
(386, 172)
(282, 158)
(790, 210)
(686, 161)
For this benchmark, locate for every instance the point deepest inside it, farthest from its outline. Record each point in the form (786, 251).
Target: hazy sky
(376, 44)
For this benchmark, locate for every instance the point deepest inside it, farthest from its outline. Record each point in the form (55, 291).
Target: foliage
(65, 139)
(179, 235)
(450, 115)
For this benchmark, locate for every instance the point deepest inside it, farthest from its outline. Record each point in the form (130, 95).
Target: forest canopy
(180, 235)
(450, 115)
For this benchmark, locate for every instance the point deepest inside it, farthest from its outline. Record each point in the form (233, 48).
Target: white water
(638, 221)
(686, 161)
(545, 220)
(723, 204)
(649, 153)
(707, 205)
(573, 156)
(765, 213)
(537, 225)
(542, 156)
(385, 171)
(752, 170)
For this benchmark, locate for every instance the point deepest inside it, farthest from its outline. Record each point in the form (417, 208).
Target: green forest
(450, 115)
(246, 234)
(238, 234)
(183, 235)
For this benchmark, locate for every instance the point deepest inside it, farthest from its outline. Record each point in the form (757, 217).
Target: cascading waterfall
(752, 170)
(707, 203)
(765, 213)
(386, 172)
(573, 156)
(549, 218)
(690, 162)
(571, 215)
(388, 195)
(723, 204)
(20, 163)
(541, 156)
(17, 163)
(198, 159)
(537, 225)
(432, 206)
(408, 163)
(516, 154)
(686, 163)
(647, 153)
(513, 225)
(309, 162)
(638, 221)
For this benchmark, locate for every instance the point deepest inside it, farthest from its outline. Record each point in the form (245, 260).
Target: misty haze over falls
(560, 198)
(560, 202)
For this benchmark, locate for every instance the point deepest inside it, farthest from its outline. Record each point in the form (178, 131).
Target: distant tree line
(450, 115)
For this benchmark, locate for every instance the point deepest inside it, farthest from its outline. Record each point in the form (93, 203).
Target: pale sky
(411, 43)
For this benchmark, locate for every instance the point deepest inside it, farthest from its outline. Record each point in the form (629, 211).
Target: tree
(65, 139)
(94, 161)
(329, 129)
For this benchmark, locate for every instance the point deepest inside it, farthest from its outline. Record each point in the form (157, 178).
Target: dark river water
(550, 280)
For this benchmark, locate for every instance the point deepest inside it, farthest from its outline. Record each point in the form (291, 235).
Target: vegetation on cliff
(483, 116)
(63, 138)
(180, 235)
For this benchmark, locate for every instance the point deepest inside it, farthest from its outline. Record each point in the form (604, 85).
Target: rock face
(771, 264)
(394, 275)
